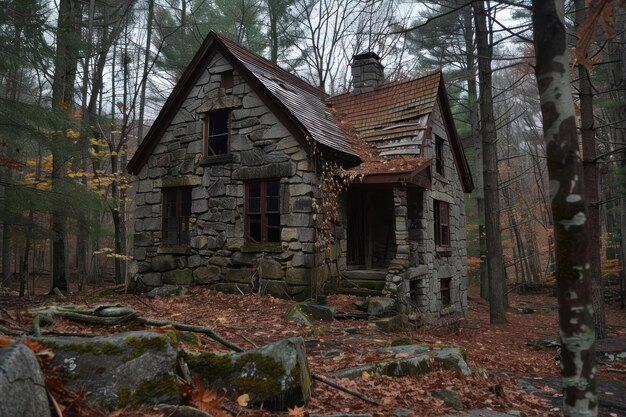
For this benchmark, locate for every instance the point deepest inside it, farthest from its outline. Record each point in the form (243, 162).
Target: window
(439, 155)
(446, 295)
(226, 79)
(442, 223)
(216, 132)
(263, 211)
(176, 213)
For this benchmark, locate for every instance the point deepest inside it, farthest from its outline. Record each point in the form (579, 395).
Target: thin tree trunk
(590, 172)
(474, 120)
(497, 287)
(578, 368)
(144, 76)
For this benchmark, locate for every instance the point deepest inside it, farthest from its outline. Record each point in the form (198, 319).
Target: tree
(578, 370)
(495, 267)
(590, 172)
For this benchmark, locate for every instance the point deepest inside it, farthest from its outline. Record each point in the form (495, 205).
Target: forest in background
(81, 80)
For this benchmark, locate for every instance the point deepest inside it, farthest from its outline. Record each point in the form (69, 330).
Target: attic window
(227, 79)
(439, 155)
(216, 129)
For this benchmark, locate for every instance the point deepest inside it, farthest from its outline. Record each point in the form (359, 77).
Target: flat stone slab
(118, 370)
(418, 364)
(298, 314)
(22, 389)
(276, 374)
(315, 311)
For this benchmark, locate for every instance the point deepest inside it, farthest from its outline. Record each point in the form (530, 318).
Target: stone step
(365, 275)
(361, 292)
(370, 285)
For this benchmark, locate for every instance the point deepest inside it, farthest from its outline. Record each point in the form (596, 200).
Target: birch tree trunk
(578, 369)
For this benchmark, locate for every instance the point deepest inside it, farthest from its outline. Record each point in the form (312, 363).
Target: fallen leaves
(206, 399)
(243, 400)
(296, 411)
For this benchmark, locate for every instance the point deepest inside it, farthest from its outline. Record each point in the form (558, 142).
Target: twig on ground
(344, 389)
(144, 303)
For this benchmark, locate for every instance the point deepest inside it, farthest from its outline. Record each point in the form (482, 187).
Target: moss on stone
(104, 348)
(209, 365)
(189, 338)
(139, 345)
(263, 363)
(403, 341)
(259, 387)
(148, 391)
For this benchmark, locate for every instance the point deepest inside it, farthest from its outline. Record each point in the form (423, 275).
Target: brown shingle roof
(303, 101)
(389, 105)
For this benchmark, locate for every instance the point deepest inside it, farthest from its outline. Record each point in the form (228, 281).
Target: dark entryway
(371, 237)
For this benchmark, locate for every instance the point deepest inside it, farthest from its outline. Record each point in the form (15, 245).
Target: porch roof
(409, 170)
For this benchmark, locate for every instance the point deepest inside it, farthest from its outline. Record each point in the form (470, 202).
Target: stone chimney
(367, 72)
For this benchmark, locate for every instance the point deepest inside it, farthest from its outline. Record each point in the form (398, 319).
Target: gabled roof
(301, 103)
(358, 129)
(394, 119)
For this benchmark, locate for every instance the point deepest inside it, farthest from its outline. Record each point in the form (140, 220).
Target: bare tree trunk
(474, 120)
(497, 283)
(146, 66)
(68, 35)
(590, 171)
(578, 368)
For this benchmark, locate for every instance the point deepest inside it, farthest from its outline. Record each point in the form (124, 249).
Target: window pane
(254, 205)
(273, 220)
(254, 227)
(218, 132)
(272, 204)
(185, 195)
(273, 234)
(273, 188)
(254, 189)
(184, 230)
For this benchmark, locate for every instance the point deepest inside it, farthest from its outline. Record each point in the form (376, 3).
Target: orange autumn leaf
(34, 346)
(296, 411)
(4, 341)
(207, 400)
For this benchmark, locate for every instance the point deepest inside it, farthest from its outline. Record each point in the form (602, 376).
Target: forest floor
(499, 356)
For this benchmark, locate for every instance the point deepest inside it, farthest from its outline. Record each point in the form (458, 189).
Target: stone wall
(442, 262)
(261, 148)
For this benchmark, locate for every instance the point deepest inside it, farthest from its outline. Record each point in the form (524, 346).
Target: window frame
(445, 291)
(263, 212)
(441, 223)
(206, 126)
(181, 241)
(439, 160)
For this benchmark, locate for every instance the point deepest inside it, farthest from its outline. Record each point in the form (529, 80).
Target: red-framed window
(262, 211)
(216, 132)
(176, 213)
(439, 145)
(442, 223)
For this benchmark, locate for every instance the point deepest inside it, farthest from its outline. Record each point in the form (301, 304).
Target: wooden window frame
(439, 160)
(181, 240)
(263, 212)
(442, 223)
(206, 124)
(445, 291)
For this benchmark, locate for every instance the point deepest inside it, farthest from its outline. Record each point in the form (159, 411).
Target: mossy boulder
(398, 367)
(382, 307)
(22, 390)
(298, 314)
(318, 311)
(452, 358)
(119, 370)
(276, 374)
(450, 398)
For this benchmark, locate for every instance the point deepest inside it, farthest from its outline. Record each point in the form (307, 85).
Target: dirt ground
(499, 356)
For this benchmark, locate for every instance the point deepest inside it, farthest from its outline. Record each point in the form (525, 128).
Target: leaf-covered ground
(498, 355)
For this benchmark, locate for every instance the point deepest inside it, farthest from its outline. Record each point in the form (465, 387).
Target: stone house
(248, 169)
